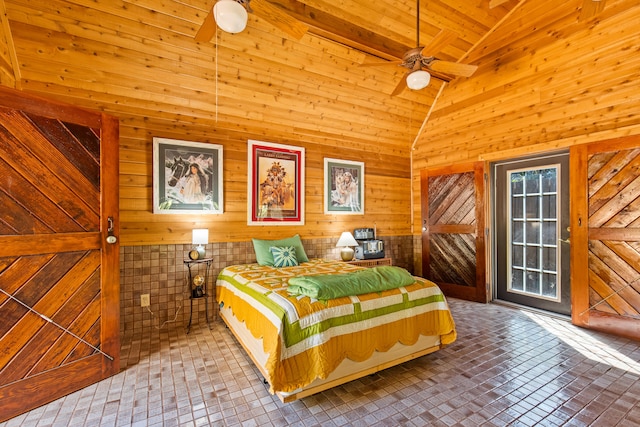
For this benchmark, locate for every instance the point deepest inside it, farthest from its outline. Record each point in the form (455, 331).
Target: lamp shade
(346, 239)
(418, 79)
(230, 16)
(200, 236)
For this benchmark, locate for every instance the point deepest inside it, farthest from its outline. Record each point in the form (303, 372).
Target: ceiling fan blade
(454, 68)
(278, 18)
(591, 8)
(208, 28)
(444, 38)
(401, 85)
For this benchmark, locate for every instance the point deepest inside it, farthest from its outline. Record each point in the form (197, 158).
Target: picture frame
(343, 187)
(275, 193)
(187, 177)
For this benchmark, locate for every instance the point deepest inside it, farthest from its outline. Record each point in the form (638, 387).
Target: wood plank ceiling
(138, 58)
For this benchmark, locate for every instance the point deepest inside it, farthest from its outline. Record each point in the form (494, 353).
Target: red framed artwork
(275, 184)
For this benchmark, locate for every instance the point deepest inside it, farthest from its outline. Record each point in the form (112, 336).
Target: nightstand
(370, 262)
(196, 281)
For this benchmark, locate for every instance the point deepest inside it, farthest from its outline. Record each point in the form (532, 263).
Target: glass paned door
(531, 256)
(533, 234)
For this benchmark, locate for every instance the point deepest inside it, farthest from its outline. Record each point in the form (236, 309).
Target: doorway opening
(531, 232)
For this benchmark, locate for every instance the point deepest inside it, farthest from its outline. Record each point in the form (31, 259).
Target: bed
(303, 345)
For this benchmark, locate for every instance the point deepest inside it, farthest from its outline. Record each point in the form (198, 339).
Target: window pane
(517, 232)
(549, 180)
(516, 280)
(533, 207)
(549, 259)
(516, 208)
(549, 206)
(549, 288)
(517, 256)
(533, 257)
(533, 232)
(533, 282)
(532, 182)
(549, 236)
(517, 179)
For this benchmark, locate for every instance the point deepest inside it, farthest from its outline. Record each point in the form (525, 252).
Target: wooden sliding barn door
(453, 234)
(605, 236)
(59, 278)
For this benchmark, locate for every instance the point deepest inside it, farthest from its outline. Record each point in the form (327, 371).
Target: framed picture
(275, 184)
(343, 187)
(187, 177)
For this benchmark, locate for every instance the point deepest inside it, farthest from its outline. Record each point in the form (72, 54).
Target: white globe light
(230, 16)
(419, 79)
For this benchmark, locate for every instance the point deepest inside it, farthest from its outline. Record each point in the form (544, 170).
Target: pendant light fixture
(230, 16)
(418, 79)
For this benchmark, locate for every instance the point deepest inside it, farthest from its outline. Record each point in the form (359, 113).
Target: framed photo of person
(343, 187)
(275, 184)
(187, 177)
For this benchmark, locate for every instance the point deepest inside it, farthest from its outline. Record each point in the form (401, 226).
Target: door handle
(111, 239)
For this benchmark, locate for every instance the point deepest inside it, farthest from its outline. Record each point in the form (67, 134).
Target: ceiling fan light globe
(418, 79)
(230, 16)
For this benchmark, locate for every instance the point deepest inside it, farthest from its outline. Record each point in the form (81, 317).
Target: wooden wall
(387, 178)
(547, 79)
(139, 62)
(560, 82)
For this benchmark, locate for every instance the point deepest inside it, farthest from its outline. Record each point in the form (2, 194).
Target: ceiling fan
(421, 66)
(231, 16)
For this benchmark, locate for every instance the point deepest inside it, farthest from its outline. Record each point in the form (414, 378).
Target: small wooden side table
(371, 262)
(197, 281)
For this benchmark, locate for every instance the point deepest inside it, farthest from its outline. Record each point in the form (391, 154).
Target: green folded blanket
(329, 286)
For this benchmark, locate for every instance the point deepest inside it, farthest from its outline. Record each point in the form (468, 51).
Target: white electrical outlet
(145, 300)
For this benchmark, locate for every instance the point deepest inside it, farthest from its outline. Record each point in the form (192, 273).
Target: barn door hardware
(48, 319)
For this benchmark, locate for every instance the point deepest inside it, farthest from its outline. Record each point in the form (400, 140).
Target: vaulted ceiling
(141, 55)
(139, 59)
(550, 74)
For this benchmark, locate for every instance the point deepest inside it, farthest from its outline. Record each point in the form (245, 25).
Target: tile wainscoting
(159, 271)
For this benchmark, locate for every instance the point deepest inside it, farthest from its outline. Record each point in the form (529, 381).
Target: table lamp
(346, 241)
(200, 236)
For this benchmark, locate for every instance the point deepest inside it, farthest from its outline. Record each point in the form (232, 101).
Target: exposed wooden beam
(323, 24)
(341, 31)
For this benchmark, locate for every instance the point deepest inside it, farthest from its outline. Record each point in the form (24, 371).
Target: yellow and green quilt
(307, 338)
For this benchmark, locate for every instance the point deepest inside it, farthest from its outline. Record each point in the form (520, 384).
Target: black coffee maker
(368, 246)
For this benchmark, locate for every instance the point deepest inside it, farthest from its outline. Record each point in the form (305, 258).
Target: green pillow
(284, 256)
(264, 255)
